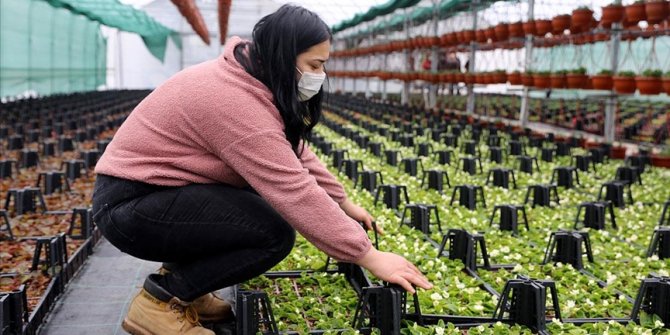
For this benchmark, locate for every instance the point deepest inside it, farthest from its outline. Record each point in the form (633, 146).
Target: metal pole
(369, 57)
(404, 98)
(385, 60)
(432, 93)
(525, 101)
(355, 66)
(610, 108)
(471, 66)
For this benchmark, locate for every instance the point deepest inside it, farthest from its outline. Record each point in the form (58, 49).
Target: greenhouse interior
(334, 167)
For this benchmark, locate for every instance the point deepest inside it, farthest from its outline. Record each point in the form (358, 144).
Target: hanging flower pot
(542, 27)
(612, 14)
(469, 36)
(636, 12)
(656, 10)
(514, 78)
(502, 32)
(499, 77)
(560, 23)
(558, 80)
(601, 37)
(602, 81)
(542, 80)
(452, 38)
(529, 27)
(576, 79)
(582, 17)
(460, 77)
(491, 34)
(666, 83)
(480, 35)
(624, 82)
(649, 83)
(527, 79)
(515, 30)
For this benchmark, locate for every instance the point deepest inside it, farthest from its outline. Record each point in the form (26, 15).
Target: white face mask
(309, 84)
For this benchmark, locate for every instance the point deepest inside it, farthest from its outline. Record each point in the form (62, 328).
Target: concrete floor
(97, 299)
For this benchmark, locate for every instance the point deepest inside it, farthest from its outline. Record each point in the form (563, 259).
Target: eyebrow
(320, 60)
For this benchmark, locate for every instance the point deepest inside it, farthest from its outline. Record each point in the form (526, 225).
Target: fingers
(418, 278)
(400, 280)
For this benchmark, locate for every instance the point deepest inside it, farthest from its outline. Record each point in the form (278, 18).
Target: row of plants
(454, 291)
(580, 22)
(649, 82)
(413, 195)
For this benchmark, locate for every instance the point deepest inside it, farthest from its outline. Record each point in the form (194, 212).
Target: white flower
(436, 296)
(570, 304)
(517, 268)
(658, 324)
(439, 330)
(478, 308)
(557, 322)
(504, 249)
(654, 257)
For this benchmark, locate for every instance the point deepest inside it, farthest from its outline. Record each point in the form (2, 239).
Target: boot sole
(134, 329)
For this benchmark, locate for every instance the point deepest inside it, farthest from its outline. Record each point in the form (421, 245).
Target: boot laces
(187, 313)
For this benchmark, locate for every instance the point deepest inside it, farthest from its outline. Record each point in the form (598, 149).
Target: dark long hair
(277, 40)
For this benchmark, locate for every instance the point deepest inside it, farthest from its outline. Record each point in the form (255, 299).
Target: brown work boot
(154, 311)
(210, 308)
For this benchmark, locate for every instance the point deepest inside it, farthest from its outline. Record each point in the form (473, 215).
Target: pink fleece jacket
(215, 123)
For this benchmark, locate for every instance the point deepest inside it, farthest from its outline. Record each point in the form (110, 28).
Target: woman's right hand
(394, 269)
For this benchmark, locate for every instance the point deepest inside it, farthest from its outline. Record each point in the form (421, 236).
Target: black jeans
(211, 235)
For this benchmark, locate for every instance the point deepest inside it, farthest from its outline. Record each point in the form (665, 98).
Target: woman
(210, 175)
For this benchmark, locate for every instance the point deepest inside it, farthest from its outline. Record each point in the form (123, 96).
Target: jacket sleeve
(267, 162)
(323, 177)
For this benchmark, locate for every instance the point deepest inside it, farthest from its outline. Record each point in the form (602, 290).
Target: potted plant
(577, 78)
(612, 13)
(656, 11)
(624, 82)
(558, 79)
(636, 12)
(542, 27)
(666, 83)
(602, 80)
(514, 78)
(515, 29)
(541, 79)
(560, 23)
(468, 36)
(661, 159)
(527, 79)
(529, 27)
(480, 36)
(491, 34)
(649, 83)
(582, 17)
(502, 31)
(500, 77)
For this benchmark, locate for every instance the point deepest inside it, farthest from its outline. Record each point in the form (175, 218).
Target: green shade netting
(375, 11)
(112, 13)
(48, 50)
